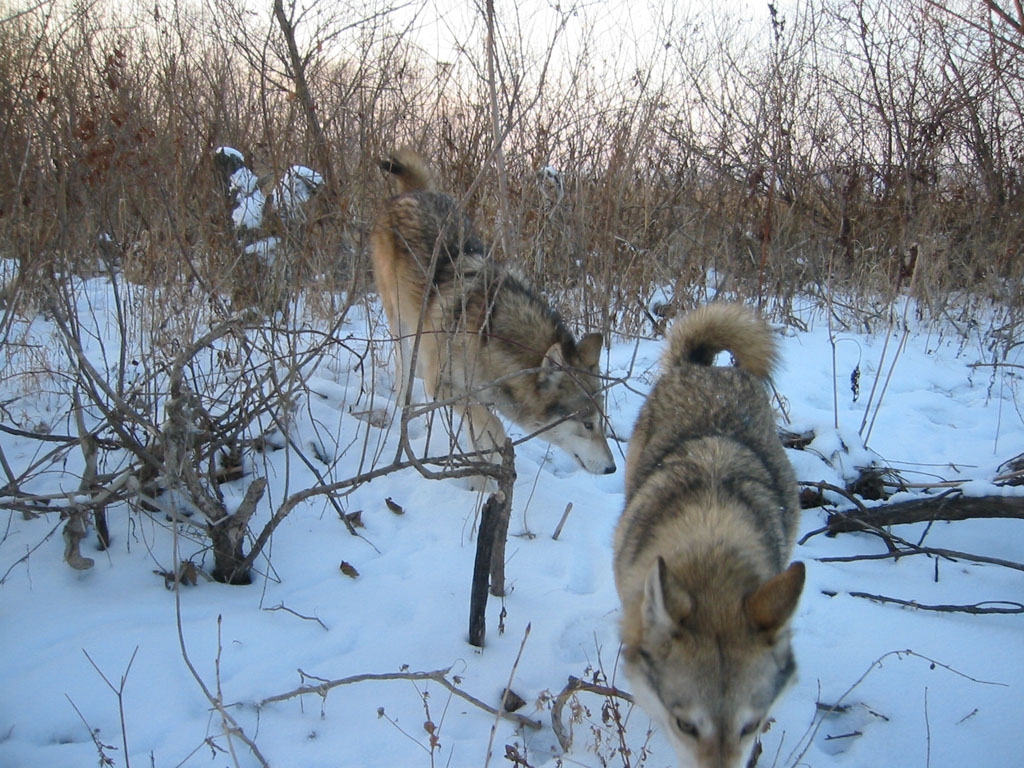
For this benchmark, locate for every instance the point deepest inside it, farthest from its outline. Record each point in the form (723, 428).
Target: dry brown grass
(754, 157)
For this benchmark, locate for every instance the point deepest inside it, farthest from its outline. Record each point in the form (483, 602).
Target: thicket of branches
(855, 150)
(842, 145)
(852, 151)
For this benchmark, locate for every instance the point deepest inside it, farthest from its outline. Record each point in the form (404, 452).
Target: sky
(621, 33)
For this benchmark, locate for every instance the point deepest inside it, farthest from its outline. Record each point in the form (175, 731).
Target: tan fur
(411, 172)
(485, 337)
(699, 335)
(702, 548)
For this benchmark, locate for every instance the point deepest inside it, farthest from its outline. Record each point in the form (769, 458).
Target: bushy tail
(411, 171)
(700, 335)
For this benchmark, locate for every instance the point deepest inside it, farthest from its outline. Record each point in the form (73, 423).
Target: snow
(248, 212)
(232, 153)
(915, 687)
(293, 191)
(287, 198)
(264, 249)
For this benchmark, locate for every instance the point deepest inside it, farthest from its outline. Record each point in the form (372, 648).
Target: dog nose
(609, 470)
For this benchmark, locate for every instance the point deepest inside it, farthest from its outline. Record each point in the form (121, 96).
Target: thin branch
(899, 547)
(1015, 22)
(232, 728)
(572, 687)
(504, 696)
(286, 609)
(950, 554)
(805, 741)
(977, 609)
(439, 676)
(119, 692)
(24, 558)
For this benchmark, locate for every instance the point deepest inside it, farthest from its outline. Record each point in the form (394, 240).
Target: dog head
(708, 674)
(569, 405)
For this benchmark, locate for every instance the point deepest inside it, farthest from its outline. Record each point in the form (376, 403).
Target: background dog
(485, 337)
(702, 547)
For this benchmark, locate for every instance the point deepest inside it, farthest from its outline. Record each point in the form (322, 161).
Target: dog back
(713, 429)
(702, 546)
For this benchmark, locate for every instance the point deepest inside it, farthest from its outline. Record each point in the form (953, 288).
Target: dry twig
(572, 687)
(986, 607)
(439, 676)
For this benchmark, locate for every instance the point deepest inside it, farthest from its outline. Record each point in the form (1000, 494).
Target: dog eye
(588, 425)
(687, 728)
(750, 728)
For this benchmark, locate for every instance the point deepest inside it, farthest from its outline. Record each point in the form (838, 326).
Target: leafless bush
(856, 152)
(826, 148)
(866, 150)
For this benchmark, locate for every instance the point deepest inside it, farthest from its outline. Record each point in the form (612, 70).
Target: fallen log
(949, 506)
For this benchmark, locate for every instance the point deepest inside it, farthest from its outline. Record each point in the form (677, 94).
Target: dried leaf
(394, 506)
(512, 701)
(188, 573)
(513, 755)
(231, 465)
(74, 532)
(811, 498)
(349, 570)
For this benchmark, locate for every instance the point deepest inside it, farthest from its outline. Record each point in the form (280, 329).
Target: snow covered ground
(912, 687)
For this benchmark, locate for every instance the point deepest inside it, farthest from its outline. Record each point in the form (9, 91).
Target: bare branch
(987, 607)
(952, 505)
(572, 687)
(438, 676)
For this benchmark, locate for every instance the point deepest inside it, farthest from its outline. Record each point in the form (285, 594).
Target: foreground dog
(485, 338)
(702, 546)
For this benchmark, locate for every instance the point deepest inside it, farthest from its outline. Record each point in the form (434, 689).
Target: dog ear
(551, 366)
(554, 357)
(769, 606)
(662, 611)
(589, 350)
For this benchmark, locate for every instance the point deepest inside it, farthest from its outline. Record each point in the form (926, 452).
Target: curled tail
(701, 334)
(410, 170)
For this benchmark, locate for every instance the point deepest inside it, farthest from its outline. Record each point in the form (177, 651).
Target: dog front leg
(487, 434)
(403, 367)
